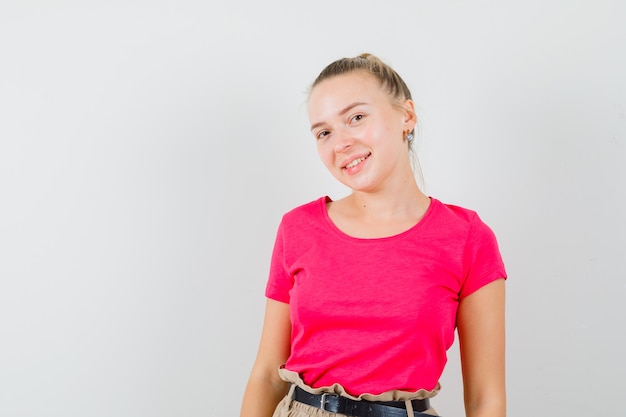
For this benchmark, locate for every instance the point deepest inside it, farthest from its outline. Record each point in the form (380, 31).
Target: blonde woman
(365, 292)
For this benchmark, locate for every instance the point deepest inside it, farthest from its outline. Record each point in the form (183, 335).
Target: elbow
(493, 405)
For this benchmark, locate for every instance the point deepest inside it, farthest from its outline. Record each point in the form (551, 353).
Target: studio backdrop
(149, 149)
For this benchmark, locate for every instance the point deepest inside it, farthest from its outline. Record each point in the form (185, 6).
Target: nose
(343, 140)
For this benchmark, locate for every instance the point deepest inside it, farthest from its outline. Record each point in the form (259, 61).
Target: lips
(356, 161)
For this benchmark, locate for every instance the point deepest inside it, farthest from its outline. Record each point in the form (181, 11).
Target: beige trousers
(288, 408)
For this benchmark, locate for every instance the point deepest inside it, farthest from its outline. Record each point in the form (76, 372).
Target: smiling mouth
(357, 161)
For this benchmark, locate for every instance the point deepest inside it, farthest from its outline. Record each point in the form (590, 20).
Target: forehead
(344, 89)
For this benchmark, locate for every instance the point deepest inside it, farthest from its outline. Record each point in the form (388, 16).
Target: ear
(410, 118)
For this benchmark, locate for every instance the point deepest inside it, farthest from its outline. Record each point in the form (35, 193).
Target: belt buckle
(323, 401)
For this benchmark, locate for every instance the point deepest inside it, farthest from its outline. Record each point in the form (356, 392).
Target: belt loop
(409, 408)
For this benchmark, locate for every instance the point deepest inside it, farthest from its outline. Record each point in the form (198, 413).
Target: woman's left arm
(480, 322)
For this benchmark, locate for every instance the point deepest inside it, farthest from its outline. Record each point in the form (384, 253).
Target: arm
(480, 322)
(265, 389)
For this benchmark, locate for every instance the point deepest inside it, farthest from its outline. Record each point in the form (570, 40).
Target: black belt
(336, 404)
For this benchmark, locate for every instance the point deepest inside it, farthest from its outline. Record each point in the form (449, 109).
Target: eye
(357, 118)
(322, 134)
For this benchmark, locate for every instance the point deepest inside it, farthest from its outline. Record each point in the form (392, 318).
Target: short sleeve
(482, 259)
(279, 283)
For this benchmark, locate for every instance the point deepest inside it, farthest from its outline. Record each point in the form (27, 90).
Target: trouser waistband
(337, 404)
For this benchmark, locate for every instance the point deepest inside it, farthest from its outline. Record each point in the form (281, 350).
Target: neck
(403, 199)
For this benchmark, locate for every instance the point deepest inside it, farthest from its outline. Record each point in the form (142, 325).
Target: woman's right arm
(265, 389)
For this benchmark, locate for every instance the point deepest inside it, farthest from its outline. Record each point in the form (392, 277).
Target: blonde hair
(371, 64)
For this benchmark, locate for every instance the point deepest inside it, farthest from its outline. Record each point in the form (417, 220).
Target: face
(360, 131)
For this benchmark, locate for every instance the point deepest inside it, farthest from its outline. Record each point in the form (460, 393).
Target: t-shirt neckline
(341, 233)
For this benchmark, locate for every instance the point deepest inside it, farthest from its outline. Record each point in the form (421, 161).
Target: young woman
(365, 292)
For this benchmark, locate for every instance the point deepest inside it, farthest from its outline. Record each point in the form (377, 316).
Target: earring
(409, 136)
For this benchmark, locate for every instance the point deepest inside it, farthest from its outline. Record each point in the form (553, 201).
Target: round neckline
(326, 199)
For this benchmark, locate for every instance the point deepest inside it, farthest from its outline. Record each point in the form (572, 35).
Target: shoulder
(458, 219)
(312, 208)
(311, 212)
(450, 213)
(302, 226)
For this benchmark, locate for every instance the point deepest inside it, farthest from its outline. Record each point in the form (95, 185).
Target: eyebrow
(341, 113)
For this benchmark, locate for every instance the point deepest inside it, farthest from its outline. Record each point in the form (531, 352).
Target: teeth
(355, 162)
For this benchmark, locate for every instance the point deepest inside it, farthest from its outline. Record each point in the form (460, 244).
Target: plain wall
(149, 149)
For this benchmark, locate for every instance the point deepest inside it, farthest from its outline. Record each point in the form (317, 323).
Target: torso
(363, 309)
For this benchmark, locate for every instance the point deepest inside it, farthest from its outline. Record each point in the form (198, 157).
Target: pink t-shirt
(376, 315)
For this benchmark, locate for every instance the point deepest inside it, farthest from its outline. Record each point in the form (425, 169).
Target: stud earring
(409, 136)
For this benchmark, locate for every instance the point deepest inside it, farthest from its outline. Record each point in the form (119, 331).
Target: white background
(149, 148)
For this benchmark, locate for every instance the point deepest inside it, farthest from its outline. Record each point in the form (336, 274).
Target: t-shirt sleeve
(279, 282)
(482, 258)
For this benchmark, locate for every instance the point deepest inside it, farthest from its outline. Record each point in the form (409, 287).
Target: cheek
(325, 155)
